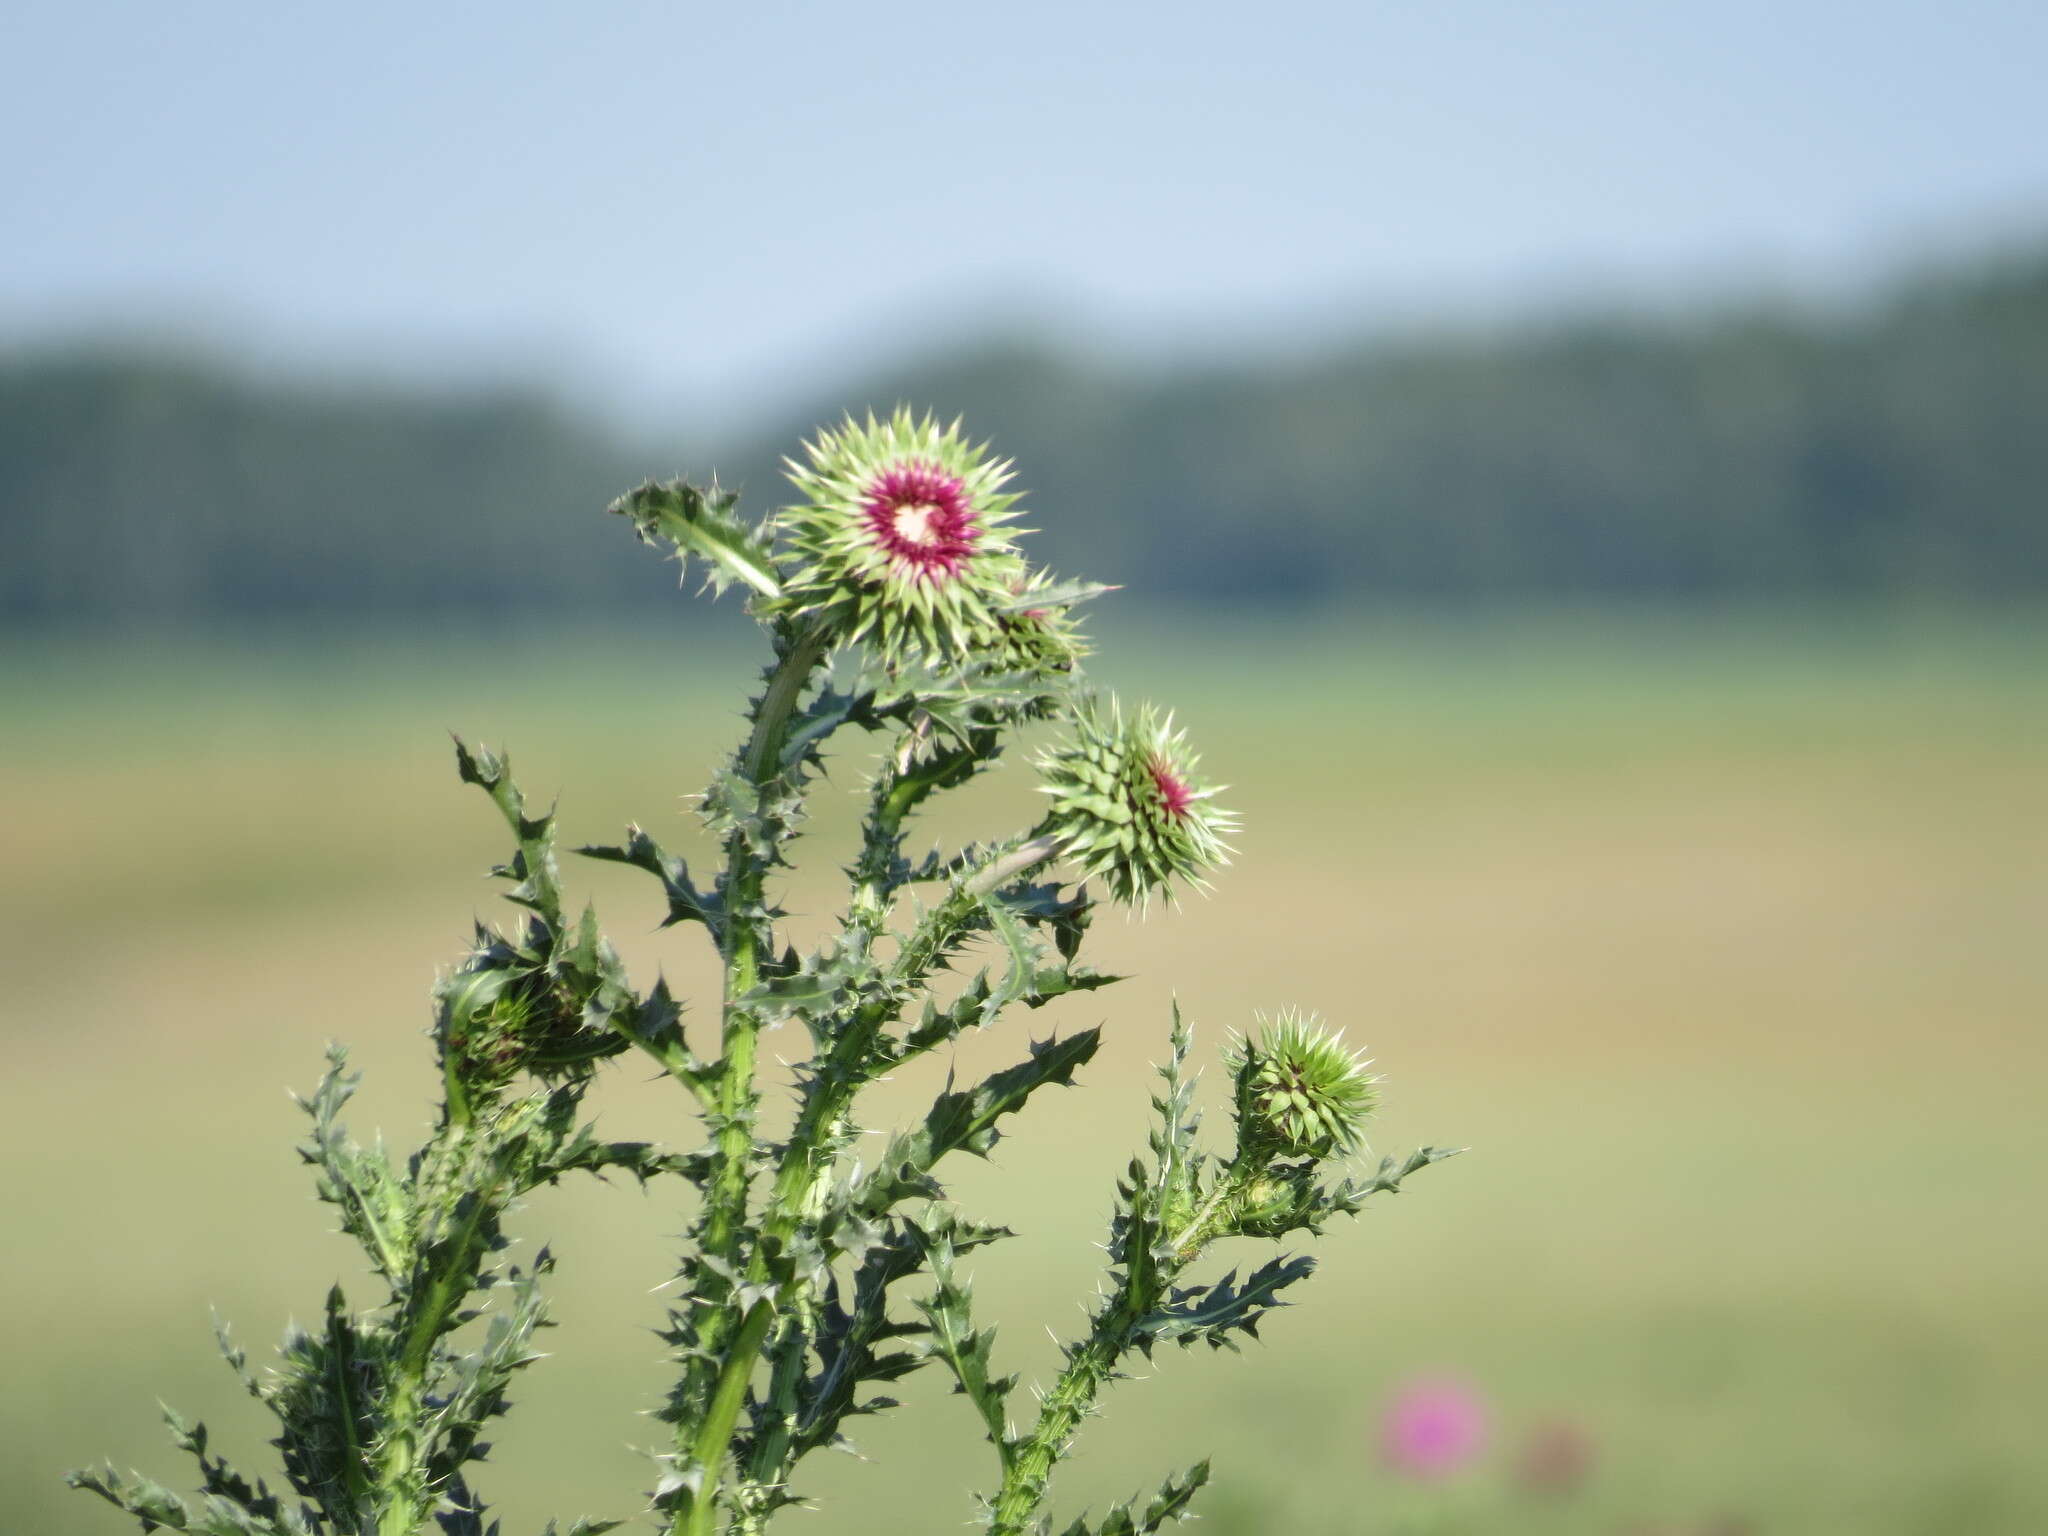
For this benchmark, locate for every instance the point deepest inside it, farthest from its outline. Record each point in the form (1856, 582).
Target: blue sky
(669, 203)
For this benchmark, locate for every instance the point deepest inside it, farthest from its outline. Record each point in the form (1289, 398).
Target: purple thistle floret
(1432, 1429)
(922, 518)
(902, 540)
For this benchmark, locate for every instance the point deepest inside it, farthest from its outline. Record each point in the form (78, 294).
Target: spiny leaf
(967, 1351)
(642, 1159)
(685, 902)
(1173, 1144)
(376, 1207)
(967, 1121)
(1170, 1503)
(219, 1481)
(1353, 1193)
(1020, 980)
(156, 1506)
(817, 984)
(811, 725)
(1212, 1313)
(702, 523)
(474, 1384)
(537, 881)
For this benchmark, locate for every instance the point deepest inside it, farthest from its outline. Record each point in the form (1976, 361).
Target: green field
(1723, 944)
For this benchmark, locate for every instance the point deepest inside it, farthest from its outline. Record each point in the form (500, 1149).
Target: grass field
(1724, 946)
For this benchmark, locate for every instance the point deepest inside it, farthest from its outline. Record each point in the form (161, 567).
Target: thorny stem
(402, 1494)
(695, 1514)
(1149, 1269)
(1000, 872)
(1028, 1464)
(807, 1160)
(801, 1170)
(747, 937)
(1202, 1226)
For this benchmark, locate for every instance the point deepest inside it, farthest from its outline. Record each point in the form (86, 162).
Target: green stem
(999, 872)
(403, 1496)
(769, 1461)
(735, 1344)
(695, 1512)
(807, 1159)
(771, 722)
(746, 938)
(1202, 1226)
(1027, 1468)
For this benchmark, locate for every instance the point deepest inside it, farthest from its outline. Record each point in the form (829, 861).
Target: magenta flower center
(1173, 790)
(922, 518)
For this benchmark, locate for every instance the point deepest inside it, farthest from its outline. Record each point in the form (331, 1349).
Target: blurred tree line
(1898, 447)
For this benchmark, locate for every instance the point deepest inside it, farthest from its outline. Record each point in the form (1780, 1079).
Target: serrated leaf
(965, 1349)
(1353, 1193)
(1170, 1503)
(703, 524)
(1212, 1313)
(819, 984)
(967, 1120)
(1019, 981)
(375, 1204)
(537, 883)
(846, 1339)
(685, 902)
(149, 1502)
(810, 726)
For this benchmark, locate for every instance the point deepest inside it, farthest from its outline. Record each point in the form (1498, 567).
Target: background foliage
(1888, 447)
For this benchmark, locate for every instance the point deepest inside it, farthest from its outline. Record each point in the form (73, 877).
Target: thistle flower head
(1035, 631)
(1128, 806)
(495, 1021)
(900, 539)
(1300, 1092)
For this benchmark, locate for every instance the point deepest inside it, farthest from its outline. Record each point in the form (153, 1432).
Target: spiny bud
(900, 539)
(1300, 1093)
(494, 1022)
(1127, 806)
(1035, 633)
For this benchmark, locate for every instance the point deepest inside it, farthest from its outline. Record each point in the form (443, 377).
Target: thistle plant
(897, 607)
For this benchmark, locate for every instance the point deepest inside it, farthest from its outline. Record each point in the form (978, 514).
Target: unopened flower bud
(1300, 1093)
(495, 1022)
(1127, 806)
(1035, 634)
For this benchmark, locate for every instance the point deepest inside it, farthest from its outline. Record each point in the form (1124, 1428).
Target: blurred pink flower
(1432, 1429)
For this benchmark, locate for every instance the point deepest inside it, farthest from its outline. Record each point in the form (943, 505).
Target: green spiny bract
(814, 1275)
(1127, 806)
(1299, 1092)
(503, 1014)
(1035, 634)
